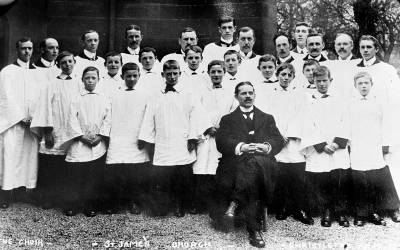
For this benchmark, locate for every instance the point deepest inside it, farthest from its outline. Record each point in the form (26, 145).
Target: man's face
(343, 46)
(193, 59)
(315, 45)
(227, 30)
(245, 96)
(267, 69)
(231, 63)
(367, 49)
(285, 77)
(90, 79)
(91, 42)
(133, 38)
(300, 35)
(187, 38)
(67, 64)
(131, 77)
(147, 60)
(308, 72)
(246, 41)
(50, 53)
(216, 74)
(171, 76)
(363, 85)
(282, 46)
(113, 64)
(322, 83)
(24, 51)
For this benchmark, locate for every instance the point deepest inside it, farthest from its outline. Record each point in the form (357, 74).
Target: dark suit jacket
(233, 130)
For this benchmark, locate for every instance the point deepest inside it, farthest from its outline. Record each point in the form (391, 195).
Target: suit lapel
(257, 117)
(238, 117)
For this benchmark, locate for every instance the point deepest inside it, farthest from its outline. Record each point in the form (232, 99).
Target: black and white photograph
(199, 124)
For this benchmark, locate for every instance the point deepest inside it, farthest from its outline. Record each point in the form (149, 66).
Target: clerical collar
(63, 76)
(227, 41)
(245, 56)
(285, 59)
(46, 63)
(369, 62)
(302, 50)
(243, 109)
(23, 64)
(133, 51)
(348, 58)
(178, 87)
(89, 54)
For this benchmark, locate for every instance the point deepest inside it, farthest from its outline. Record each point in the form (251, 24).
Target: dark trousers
(290, 190)
(126, 183)
(203, 191)
(171, 183)
(84, 183)
(329, 190)
(373, 191)
(51, 178)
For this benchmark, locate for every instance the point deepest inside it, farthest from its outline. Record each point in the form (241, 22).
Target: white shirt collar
(319, 95)
(227, 41)
(63, 76)
(316, 58)
(46, 63)
(369, 62)
(89, 54)
(85, 92)
(346, 59)
(286, 58)
(243, 109)
(133, 51)
(230, 77)
(245, 56)
(23, 64)
(304, 50)
(272, 78)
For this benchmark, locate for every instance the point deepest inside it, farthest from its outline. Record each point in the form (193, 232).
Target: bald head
(49, 49)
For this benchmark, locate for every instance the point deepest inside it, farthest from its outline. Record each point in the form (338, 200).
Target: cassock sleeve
(200, 121)
(73, 129)
(105, 127)
(43, 115)
(147, 131)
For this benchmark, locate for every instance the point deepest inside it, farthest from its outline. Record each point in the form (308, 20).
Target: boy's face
(134, 38)
(171, 76)
(24, 51)
(147, 60)
(300, 35)
(216, 74)
(91, 42)
(67, 64)
(322, 83)
(131, 77)
(227, 30)
(308, 72)
(267, 69)
(363, 85)
(90, 79)
(285, 78)
(193, 59)
(232, 63)
(367, 49)
(113, 64)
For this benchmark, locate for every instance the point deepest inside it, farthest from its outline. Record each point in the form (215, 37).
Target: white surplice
(19, 91)
(109, 85)
(128, 107)
(151, 81)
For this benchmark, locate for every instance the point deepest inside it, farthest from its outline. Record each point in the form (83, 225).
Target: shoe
(303, 217)
(228, 220)
(90, 213)
(377, 220)
(396, 216)
(70, 212)
(358, 222)
(134, 208)
(4, 205)
(326, 220)
(179, 212)
(343, 221)
(256, 240)
(230, 212)
(281, 215)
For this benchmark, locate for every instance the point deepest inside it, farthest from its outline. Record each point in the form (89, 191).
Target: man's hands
(331, 148)
(252, 148)
(49, 140)
(90, 141)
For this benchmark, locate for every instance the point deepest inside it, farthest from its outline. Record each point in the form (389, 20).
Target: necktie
(324, 96)
(169, 88)
(68, 78)
(128, 89)
(249, 121)
(194, 73)
(301, 52)
(232, 78)
(311, 86)
(217, 86)
(247, 114)
(268, 81)
(225, 43)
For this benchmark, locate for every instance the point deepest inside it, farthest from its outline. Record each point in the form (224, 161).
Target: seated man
(248, 139)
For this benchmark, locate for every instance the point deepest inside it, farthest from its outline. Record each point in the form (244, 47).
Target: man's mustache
(342, 50)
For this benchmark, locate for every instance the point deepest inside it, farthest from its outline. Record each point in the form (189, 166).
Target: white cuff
(237, 148)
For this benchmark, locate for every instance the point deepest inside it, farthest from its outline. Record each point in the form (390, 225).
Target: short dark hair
(240, 84)
(90, 68)
(112, 53)
(216, 62)
(62, 55)
(322, 71)
(194, 48)
(233, 52)
(281, 34)
(284, 66)
(315, 34)
(246, 29)
(267, 58)
(87, 32)
(131, 27)
(22, 40)
(187, 29)
(370, 38)
(310, 62)
(171, 64)
(226, 19)
(146, 50)
(302, 24)
(129, 66)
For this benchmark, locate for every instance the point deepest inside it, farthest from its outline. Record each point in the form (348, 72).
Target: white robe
(127, 110)
(19, 92)
(325, 119)
(110, 85)
(217, 103)
(151, 81)
(170, 120)
(82, 63)
(214, 52)
(53, 109)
